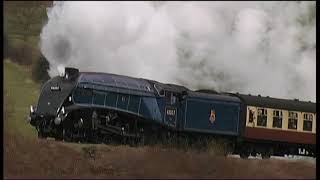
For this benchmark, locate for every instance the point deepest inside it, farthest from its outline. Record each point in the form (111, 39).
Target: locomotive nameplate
(55, 88)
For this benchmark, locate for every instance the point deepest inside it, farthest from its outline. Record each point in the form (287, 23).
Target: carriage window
(251, 115)
(293, 120)
(277, 119)
(262, 117)
(307, 122)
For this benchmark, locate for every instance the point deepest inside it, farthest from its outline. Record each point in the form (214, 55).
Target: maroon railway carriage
(277, 126)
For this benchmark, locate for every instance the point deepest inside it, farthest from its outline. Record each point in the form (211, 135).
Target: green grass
(20, 92)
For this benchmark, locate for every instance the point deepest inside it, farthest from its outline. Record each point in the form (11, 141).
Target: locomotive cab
(173, 96)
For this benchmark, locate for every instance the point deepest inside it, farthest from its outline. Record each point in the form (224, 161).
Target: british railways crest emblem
(212, 116)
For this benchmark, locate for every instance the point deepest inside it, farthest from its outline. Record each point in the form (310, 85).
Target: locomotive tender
(102, 107)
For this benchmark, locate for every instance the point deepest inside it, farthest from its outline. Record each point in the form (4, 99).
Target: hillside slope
(19, 93)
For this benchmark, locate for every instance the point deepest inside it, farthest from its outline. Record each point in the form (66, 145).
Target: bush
(18, 51)
(22, 53)
(40, 70)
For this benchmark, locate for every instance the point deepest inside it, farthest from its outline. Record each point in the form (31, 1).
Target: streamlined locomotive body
(101, 107)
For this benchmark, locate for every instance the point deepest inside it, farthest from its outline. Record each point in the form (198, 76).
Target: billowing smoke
(266, 48)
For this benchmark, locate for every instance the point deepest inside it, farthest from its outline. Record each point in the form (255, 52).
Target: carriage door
(171, 108)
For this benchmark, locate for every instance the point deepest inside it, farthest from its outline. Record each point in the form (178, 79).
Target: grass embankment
(19, 93)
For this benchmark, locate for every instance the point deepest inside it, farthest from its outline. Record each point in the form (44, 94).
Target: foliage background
(23, 21)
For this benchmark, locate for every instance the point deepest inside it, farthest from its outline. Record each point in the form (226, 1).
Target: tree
(5, 46)
(40, 70)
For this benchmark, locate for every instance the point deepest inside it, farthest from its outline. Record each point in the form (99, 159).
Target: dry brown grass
(27, 158)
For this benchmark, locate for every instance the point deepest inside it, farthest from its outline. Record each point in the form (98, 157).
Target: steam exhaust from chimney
(263, 48)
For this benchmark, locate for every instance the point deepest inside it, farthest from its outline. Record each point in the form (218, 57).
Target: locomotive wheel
(58, 135)
(183, 142)
(244, 155)
(107, 140)
(141, 137)
(228, 149)
(265, 155)
(58, 138)
(164, 137)
(41, 134)
(67, 136)
(125, 140)
(133, 142)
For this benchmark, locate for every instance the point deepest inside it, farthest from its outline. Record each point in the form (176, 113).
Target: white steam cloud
(266, 48)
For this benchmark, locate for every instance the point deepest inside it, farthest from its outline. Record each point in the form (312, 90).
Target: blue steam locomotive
(102, 107)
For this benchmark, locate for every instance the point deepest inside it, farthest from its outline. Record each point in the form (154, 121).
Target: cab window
(307, 121)
(173, 99)
(160, 91)
(170, 98)
(262, 117)
(277, 119)
(293, 120)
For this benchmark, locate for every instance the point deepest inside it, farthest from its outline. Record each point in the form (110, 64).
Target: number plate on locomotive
(171, 112)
